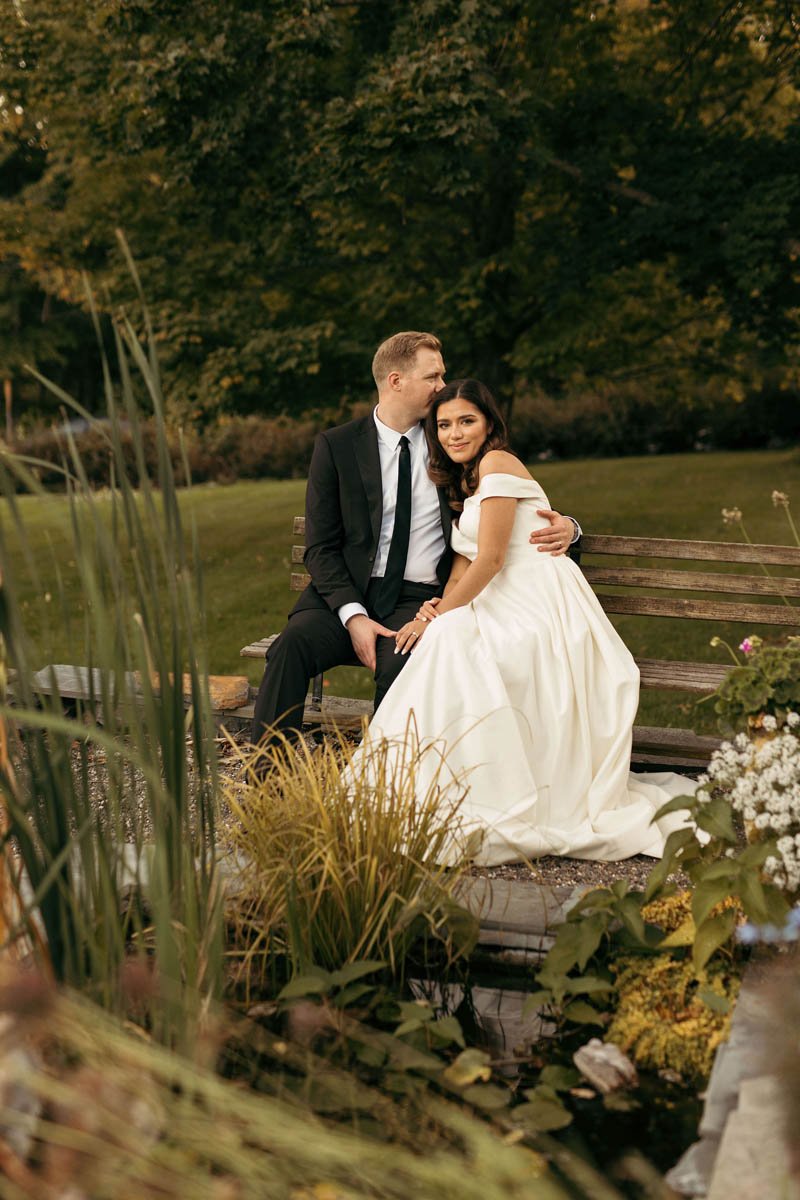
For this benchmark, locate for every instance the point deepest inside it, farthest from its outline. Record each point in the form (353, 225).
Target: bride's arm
(464, 584)
(457, 569)
(494, 534)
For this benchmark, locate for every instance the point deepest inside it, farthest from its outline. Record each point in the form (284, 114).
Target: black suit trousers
(315, 640)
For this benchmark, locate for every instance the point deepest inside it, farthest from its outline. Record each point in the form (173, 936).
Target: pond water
(658, 1119)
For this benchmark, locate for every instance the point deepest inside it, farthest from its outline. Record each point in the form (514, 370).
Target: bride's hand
(409, 635)
(427, 610)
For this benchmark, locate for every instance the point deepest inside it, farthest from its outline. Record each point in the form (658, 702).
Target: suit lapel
(369, 464)
(447, 516)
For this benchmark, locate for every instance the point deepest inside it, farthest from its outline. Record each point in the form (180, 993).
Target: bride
(518, 683)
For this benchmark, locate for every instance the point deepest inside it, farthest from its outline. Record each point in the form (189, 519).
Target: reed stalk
(112, 810)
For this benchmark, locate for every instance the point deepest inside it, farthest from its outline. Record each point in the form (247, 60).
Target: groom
(377, 541)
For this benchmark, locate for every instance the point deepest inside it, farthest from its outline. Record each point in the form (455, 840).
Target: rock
(227, 692)
(605, 1066)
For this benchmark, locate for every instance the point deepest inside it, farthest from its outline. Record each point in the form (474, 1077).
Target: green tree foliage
(575, 197)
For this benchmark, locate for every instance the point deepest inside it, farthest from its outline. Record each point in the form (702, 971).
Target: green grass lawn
(245, 537)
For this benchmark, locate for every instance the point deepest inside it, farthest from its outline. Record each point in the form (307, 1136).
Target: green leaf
(446, 1030)
(777, 906)
(559, 1078)
(356, 970)
(676, 804)
(588, 985)
(756, 854)
(656, 879)
(713, 933)
(537, 1000)
(725, 868)
(630, 914)
(470, 1066)
(582, 1013)
(713, 1000)
(707, 895)
(410, 1026)
(542, 1114)
(597, 898)
(487, 1095)
(370, 1056)
(716, 818)
(751, 894)
(411, 1010)
(349, 995)
(315, 984)
(589, 934)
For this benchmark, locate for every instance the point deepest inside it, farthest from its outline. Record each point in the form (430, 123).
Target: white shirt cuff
(351, 610)
(578, 531)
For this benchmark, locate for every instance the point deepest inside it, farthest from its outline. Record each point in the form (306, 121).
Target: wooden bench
(621, 572)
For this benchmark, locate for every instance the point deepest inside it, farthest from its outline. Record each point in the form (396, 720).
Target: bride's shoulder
(502, 462)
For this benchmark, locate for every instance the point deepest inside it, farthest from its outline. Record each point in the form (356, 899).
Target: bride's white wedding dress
(529, 695)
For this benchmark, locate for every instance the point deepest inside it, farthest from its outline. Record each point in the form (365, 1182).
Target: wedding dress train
(528, 696)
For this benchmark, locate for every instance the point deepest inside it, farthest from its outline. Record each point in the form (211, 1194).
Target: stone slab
(752, 1161)
(517, 913)
(691, 1175)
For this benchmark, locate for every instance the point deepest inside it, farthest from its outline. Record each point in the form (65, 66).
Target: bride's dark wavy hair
(460, 481)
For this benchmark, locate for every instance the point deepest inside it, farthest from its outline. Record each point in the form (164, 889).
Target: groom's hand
(555, 538)
(364, 633)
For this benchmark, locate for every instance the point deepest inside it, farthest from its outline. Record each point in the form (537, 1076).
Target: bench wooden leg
(316, 693)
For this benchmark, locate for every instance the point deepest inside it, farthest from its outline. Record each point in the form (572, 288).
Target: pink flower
(746, 646)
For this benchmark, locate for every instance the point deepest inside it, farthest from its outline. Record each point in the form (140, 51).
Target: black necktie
(389, 593)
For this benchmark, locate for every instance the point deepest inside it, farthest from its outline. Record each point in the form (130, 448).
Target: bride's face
(462, 429)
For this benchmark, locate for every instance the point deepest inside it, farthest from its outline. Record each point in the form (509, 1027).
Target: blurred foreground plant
(114, 832)
(339, 862)
(122, 1117)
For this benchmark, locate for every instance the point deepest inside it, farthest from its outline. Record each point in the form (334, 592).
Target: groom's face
(420, 383)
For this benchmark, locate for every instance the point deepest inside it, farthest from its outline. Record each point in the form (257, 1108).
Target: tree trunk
(8, 393)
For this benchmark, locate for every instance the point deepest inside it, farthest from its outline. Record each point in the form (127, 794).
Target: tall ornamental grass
(112, 828)
(341, 861)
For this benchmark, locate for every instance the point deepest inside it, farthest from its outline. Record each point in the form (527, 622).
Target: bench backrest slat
(693, 581)
(603, 543)
(700, 610)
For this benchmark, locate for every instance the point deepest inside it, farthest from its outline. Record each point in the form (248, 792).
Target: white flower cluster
(763, 785)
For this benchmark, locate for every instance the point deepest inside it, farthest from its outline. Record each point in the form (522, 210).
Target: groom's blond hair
(399, 351)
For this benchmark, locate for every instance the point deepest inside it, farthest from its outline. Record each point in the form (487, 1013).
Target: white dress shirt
(426, 538)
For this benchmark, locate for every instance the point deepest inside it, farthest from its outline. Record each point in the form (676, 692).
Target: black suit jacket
(344, 506)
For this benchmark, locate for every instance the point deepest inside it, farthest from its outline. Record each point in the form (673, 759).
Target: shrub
(340, 863)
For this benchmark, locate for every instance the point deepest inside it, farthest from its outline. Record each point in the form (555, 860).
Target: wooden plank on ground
(71, 682)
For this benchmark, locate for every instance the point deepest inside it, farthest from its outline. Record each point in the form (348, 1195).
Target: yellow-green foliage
(669, 912)
(661, 1019)
(342, 861)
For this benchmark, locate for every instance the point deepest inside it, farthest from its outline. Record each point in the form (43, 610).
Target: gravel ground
(555, 871)
(552, 870)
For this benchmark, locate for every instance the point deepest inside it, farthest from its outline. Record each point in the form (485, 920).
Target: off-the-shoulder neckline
(504, 475)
